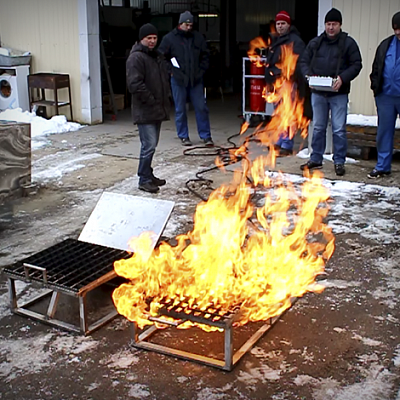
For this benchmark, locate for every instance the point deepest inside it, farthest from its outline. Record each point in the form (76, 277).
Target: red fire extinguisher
(257, 101)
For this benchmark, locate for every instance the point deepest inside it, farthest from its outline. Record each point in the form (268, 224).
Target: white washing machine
(14, 87)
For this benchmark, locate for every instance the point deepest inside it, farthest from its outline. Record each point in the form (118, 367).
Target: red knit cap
(283, 16)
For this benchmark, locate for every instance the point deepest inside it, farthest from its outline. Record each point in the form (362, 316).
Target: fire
(254, 55)
(256, 243)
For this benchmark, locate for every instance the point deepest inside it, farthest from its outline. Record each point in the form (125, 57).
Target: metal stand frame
(48, 317)
(247, 113)
(230, 358)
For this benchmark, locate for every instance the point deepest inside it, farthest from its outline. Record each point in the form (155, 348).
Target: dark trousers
(149, 135)
(196, 95)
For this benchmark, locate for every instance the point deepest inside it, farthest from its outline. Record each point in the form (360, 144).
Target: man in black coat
(148, 83)
(189, 56)
(286, 34)
(332, 54)
(385, 83)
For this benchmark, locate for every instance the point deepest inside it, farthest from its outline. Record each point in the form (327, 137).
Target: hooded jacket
(335, 57)
(148, 82)
(190, 51)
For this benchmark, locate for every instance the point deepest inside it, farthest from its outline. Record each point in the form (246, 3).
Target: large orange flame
(242, 254)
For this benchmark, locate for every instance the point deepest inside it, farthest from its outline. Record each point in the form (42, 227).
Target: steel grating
(212, 315)
(70, 265)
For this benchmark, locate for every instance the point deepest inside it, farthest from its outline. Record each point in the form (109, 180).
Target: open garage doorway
(228, 26)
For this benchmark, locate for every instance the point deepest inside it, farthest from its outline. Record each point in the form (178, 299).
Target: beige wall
(368, 22)
(49, 30)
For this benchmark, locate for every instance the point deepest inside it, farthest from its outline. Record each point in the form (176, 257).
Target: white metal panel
(117, 218)
(49, 30)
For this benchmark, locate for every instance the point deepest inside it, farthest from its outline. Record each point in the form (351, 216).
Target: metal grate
(69, 265)
(213, 315)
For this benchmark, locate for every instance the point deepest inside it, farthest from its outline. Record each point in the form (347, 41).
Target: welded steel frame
(84, 327)
(231, 358)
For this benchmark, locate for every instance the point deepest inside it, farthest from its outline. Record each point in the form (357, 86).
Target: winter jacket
(190, 51)
(274, 52)
(148, 82)
(274, 57)
(332, 57)
(378, 65)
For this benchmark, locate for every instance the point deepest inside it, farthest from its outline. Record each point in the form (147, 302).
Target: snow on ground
(366, 120)
(40, 127)
(328, 157)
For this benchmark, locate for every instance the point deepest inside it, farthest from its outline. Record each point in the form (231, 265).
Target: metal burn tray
(212, 316)
(70, 267)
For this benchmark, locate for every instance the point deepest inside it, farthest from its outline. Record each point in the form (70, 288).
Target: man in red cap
(286, 34)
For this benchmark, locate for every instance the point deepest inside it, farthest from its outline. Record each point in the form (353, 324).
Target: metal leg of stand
(83, 314)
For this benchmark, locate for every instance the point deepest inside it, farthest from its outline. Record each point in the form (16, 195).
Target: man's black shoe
(284, 152)
(339, 169)
(208, 142)
(310, 165)
(375, 174)
(158, 182)
(186, 142)
(149, 187)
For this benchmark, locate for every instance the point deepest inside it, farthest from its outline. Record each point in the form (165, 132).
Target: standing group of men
(182, 59)
(178, 64)
(335, 54)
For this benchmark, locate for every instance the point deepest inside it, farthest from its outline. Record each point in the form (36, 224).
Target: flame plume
(241, 253)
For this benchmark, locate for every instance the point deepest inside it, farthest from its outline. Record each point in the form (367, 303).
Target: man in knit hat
(189, 56)
(286, 34)
(332, 54)
(385, 84)
(148, 83)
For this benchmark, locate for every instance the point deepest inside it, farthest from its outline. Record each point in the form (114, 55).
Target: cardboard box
(323, 83)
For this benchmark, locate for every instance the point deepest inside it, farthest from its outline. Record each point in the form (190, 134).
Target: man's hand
(338, 83)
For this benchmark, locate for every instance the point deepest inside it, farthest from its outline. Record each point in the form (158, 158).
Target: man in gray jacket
(148, 83)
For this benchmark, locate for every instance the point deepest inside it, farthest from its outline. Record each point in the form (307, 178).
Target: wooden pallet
(365, 137)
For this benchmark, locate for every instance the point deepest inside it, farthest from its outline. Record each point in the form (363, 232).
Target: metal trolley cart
(253, 77)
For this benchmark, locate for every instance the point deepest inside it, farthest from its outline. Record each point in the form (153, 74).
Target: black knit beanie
(333, 15)
(396, 21)
(186, 17)
(146, 30)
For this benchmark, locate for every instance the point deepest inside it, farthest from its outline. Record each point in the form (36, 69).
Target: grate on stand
(214, 316)
(70, 267)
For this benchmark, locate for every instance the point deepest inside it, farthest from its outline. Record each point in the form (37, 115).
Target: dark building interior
(228, 26)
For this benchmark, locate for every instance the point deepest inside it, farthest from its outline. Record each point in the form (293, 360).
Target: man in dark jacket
(189, 56)
(385, 83)
(332, 54)
(148, 83)
(286, 34)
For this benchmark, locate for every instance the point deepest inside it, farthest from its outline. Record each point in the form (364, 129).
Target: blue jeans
(149, 135)
(321, 105)
(388, 108)
(196, 95)
(285, 142)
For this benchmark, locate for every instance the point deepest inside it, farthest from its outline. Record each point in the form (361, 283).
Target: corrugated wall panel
(49, 30)
(368, 22)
